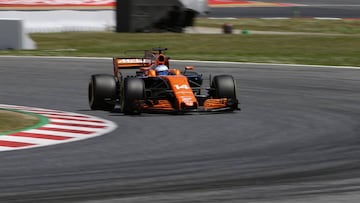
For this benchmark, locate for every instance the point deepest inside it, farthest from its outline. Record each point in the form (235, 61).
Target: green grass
(10, 121)
(303, 49)
(346, 26)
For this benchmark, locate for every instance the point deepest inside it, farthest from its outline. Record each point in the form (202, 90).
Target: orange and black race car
(158, 88)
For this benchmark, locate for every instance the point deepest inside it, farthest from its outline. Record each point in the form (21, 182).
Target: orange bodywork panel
(183, 93)
(161, 105)
(215, 104)
(151, 73)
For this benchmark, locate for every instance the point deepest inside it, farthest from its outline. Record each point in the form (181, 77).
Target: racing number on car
(184, 86)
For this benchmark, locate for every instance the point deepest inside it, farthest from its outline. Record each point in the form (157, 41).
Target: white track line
(188, 61)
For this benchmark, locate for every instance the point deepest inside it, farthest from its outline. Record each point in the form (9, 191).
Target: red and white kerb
(60, 127)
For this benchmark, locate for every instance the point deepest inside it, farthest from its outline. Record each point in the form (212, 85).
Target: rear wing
(130, 63)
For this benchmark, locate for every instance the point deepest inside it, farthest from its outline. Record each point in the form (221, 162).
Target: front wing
(208, 105)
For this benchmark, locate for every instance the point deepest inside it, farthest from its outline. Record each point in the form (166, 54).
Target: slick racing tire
(133, 90)
(102, 91)
(224, 86)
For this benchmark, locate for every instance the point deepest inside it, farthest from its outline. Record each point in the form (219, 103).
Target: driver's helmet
(161, 70)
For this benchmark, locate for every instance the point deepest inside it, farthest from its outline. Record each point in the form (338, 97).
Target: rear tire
(102, 88)
(133, 89)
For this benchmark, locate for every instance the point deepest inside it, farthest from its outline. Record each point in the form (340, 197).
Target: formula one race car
(166, 90)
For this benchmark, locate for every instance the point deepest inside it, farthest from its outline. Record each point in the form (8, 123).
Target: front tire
(133, 90)
(102, 88)
(224, 86)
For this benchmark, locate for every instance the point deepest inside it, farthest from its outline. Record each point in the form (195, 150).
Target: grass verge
(340, 50)
(337, 26)
(12, 121)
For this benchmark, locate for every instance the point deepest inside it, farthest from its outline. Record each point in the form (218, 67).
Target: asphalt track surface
(295, 140)
(307, 9)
